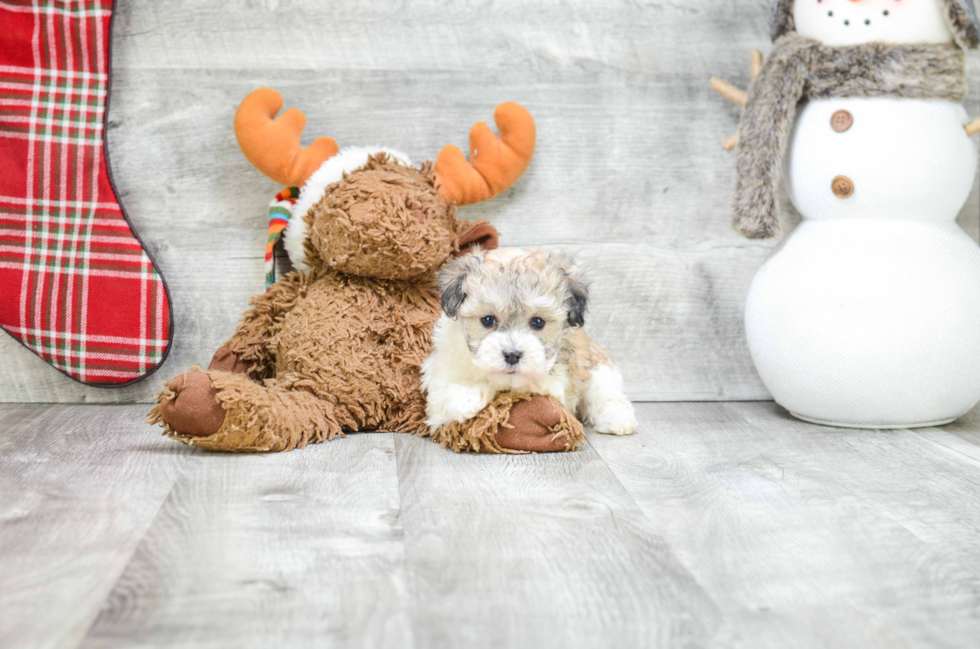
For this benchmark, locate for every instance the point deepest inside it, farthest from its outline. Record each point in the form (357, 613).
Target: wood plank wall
(629, 172)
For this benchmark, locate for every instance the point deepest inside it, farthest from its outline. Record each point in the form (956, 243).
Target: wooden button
(842, 187)
(841, 121)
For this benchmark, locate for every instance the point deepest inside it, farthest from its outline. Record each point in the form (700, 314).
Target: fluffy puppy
(512, 321)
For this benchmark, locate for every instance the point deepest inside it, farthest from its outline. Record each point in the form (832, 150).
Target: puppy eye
(488, 321)
(537, 323)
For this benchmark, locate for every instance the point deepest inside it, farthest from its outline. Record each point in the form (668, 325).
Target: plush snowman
(868, 314)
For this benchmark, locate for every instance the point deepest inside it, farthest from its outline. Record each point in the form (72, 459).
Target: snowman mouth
(867, 21)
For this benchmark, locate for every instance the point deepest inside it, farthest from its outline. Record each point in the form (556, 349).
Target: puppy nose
(513, 357)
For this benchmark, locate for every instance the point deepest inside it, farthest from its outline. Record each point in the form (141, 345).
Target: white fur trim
(347, 160)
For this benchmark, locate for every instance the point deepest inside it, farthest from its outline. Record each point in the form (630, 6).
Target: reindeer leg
(229, 412)
(515, 424)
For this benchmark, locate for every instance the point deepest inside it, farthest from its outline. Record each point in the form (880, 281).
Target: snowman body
(868, 314)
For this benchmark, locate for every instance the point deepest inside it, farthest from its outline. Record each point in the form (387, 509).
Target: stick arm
(973, 127)
(740, 97)
(728, 91)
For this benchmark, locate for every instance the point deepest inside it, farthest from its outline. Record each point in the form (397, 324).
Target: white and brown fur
(512, 321)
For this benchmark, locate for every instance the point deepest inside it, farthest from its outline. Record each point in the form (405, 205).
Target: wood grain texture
(285, 550)
(542, 551)
(78, 489)
(629, 172)
(810, 536)
(716, 525)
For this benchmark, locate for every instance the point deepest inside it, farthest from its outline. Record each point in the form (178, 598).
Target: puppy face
(515, 308)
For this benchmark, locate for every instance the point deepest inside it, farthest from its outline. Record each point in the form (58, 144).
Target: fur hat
(961, 15)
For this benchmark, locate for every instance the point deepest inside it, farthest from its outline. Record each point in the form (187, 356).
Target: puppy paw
(616, 418)
(470, 403)
(458, 403)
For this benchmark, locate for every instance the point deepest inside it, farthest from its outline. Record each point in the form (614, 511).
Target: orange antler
(273, 145)
(495, 164)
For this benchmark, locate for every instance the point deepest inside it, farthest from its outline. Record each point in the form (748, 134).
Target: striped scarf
(280, 211)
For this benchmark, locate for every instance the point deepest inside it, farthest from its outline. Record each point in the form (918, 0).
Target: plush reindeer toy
(336, 346)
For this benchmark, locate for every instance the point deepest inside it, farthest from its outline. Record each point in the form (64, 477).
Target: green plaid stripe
(64, 242)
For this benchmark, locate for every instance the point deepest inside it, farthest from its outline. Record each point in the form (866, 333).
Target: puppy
(512, 321)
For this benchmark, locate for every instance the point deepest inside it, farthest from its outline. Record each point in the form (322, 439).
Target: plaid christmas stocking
(76, 286)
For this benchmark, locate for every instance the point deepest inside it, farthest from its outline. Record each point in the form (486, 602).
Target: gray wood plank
(716, 525)
(288, 550)
(961, 438)
(628, 171)
(809, 536)
(469, 35)
(204, 218)
(538, 551)
(79, 486)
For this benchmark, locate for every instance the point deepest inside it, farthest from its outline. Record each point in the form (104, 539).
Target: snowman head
(853, 22)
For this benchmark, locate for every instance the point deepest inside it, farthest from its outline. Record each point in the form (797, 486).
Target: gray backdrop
(629, 172)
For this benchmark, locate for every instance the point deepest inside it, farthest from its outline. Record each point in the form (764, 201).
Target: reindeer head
(370, 212)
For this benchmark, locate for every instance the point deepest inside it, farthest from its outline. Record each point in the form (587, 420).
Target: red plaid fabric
(76, 286)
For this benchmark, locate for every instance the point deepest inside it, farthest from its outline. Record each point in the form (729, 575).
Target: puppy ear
(452, 280)
(479, 233)
(578, 301)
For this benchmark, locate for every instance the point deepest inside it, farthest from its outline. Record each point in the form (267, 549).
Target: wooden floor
(716, 525)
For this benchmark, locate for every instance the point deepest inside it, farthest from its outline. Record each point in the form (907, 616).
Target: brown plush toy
(336, 346)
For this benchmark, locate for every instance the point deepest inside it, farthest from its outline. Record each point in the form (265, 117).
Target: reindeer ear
(479, 233)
